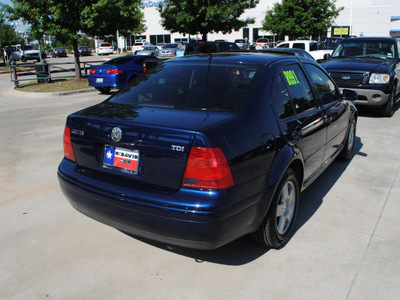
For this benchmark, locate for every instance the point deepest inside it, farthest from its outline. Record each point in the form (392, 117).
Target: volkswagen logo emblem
(116, 134)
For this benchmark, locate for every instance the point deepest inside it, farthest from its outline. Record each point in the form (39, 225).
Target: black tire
(348, 148)
(104, 90)
(278, 224)
(387, 110)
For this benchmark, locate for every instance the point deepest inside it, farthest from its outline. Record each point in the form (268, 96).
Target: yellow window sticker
(291, 77)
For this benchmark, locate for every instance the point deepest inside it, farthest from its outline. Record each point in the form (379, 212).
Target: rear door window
(299, 88)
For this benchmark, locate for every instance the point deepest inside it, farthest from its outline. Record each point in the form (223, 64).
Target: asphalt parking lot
(345, 245)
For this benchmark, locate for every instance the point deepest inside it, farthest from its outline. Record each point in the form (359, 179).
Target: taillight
(114, 71)
(207, 168)
(92, 72)
(144, 67)
(68, 150)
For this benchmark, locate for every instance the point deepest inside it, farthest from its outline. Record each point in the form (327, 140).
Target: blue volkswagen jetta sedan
(204, 149)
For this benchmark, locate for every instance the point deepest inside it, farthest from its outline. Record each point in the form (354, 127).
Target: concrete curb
(66, 93)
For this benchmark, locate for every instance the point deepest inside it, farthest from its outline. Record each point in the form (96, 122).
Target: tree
(8, 35)
(297, 18)
(205, 16)
(65, 19)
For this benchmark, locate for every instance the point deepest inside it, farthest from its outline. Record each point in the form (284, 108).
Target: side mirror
(326, 56)
(349, 95)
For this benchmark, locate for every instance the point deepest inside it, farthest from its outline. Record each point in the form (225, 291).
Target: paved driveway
(345, 245)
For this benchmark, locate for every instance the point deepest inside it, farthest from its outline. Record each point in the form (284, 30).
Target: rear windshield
(105, 45)
(190, 86)
(120, 60)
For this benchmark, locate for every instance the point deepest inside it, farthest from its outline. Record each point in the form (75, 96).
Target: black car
(84, 51)
(210, 47)
(287, 51)
(203, 149)
(371, 67)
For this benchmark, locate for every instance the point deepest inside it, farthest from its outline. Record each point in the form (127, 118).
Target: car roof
(369, 38)
(234, 57)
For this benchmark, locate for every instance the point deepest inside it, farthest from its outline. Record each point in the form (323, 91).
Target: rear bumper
(108, 81)
(151, 215)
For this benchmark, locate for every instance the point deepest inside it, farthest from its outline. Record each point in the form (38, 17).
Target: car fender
(285, 158)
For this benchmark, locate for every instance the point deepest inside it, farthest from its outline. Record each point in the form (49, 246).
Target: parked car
(105, 49)
(243, 44)
(329, 43)
(204, 149)
(160, 45)
(307, 45)
(117, 72)
(370, 66)
(170, 49)
(290, 51)
(210, 47)
(149, 50)
(139, 46)
(262, 43)
(24, 53)
(84, 51)
(59, 52)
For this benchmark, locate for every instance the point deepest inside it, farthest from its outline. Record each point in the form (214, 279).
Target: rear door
(303, 122)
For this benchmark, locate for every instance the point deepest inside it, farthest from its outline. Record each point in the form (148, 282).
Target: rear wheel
(348, 149)
(387, 110)
(278, 224)
(104, 90)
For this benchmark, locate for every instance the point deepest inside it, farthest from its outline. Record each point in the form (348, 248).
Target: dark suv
(210, 47)
(371, 67)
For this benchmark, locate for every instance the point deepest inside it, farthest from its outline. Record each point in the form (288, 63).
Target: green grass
(56, 85)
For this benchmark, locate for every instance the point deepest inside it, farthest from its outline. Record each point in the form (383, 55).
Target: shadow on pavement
(244, 250)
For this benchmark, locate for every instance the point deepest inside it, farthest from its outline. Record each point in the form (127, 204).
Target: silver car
(170, 49)
(149, 50)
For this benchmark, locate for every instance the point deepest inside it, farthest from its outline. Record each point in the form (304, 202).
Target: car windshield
(365, 49)
(192, 86)
(28, 47)
(120, 60)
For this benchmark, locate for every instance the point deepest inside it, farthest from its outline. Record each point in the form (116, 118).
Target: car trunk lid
(158, 140)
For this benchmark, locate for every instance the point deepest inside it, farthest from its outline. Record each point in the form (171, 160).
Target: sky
(19, 26)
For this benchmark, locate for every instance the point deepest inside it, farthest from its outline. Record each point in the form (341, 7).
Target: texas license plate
(120, 159)
(99, 80)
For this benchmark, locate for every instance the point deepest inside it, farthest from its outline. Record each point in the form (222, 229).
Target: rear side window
(326, 89)
(283, 103)
(190, 86)
(299, 46)
(299, 90)
(285, 45)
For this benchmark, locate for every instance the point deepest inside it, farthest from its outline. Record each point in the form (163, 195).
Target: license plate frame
(99, 80)
(121, 159)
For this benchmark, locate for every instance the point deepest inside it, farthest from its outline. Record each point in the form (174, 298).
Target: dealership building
(358, 18)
